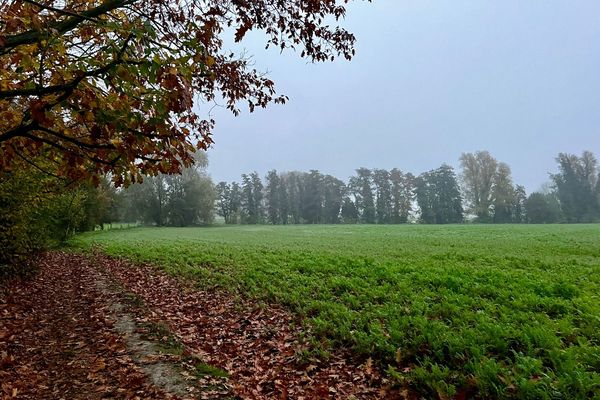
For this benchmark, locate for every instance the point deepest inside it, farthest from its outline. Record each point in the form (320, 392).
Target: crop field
(510, 311)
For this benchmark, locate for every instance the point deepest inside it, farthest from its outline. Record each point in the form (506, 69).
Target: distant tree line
(170, 200)
(484, 192)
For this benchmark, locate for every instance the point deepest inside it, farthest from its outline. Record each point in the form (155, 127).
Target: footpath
(95, 327)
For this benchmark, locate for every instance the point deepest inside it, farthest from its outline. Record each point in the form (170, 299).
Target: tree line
(36, 209)
(170, 200)
(483, 192)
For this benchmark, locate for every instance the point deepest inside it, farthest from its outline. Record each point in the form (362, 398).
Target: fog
(430, 80)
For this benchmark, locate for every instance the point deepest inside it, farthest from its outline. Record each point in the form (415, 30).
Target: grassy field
(509, 311)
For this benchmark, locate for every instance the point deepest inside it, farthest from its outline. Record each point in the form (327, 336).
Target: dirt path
(57, 339)
(100, 328)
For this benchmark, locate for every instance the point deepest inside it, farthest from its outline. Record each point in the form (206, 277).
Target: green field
(509, 311)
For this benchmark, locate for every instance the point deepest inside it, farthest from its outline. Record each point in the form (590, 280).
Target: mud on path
(93, 327)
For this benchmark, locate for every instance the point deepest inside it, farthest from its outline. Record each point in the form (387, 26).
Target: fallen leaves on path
(58, 340)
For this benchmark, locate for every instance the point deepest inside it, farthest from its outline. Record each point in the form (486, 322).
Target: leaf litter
(97, 327)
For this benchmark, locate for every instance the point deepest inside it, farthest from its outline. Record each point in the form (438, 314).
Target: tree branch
(75, 141)
(67, 25)
(60, 11)
(67, 87)
(28, 161)
(18, 131)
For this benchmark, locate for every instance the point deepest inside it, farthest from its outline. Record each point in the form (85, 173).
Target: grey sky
(431, 79)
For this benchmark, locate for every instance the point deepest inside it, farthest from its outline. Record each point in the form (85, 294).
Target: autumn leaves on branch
(89, 87)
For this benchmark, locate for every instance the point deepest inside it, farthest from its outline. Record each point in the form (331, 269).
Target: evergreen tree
(247, 201)
(402, 195)
(577, 187)
(363, 192)
(293, 184)
(284, 202)
(383, 196)
(273, 198)
(312, 197)
(257, 192)
(349, 211)
(333, 197)
(438, 196)
(235, 203)
(519, 207)
(224, 201)
(503, 195)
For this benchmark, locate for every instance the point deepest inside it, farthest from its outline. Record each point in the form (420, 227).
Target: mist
(430, 80)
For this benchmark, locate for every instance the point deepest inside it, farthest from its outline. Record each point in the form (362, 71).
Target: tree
(402, 194)
(294, 188)
(247, 201)
(252, 199)
(543, 208)
(235, 202)
(224, 201)
(110, 85)
(191, 198)
(228, 201)
(273, 197)
(312, 197)
(284, 202)
(333, 198)
(200, 199)
(349, 211)
(577, 186)
(257, 192)
(478, 172)
(383, 196)
(36, 210)
(438, 196)
(519, 206)
(503, 195)
(101, 205)
(157, 199)
(361, 185)
(177, 200)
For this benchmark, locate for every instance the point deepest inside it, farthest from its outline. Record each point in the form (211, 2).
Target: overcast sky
(430, 80)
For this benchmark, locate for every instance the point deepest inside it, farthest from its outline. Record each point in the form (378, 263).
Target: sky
(430, 80)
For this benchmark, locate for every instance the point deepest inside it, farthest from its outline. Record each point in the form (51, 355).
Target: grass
(510, 311)
(203, 370)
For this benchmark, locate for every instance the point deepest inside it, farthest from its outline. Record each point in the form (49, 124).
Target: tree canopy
(98, 86)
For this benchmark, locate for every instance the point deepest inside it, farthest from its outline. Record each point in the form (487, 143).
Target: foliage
(383, 195)
(506, 311)
(176, 200)
(577, 187)
(503, 195)
(478, 172)
(273, 196)
(21, 195)
(252, 199)
(312, 198)
(110, 85)
(543, 208)
(439, 197)
(38, 210)
(361, 186)
(402, 195)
